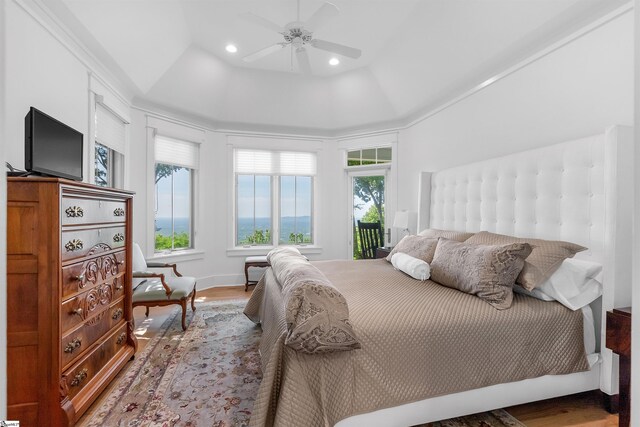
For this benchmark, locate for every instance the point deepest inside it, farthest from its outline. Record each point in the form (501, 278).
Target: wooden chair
(157, 289)
(371, 237)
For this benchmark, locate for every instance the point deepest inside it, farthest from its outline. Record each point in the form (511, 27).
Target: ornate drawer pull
(80, 376)
(74, 212)
(73, 345)
(116, 314)
(119, 237)
(118, 287)
(74, 245)
(118, 212)
(77, 311)
(121, 262)
(121, 338)
(79, 278)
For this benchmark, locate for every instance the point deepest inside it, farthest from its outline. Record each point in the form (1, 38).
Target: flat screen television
(51, 147)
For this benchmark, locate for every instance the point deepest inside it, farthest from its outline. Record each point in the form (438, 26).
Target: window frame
(233, 248)
(174, 250)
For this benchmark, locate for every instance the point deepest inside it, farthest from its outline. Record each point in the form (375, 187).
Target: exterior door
(367, 201)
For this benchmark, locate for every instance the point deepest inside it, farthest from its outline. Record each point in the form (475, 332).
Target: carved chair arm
(174, 266)
(149, 274)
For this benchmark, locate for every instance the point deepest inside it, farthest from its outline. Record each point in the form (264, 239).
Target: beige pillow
(417, 246)
(459, 236)
(545, 259)
(488, 272)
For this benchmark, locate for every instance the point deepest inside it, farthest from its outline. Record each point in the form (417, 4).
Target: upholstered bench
(253, 261)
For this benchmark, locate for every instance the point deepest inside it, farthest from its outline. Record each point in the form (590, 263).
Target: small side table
(619, 341)
(253, 261)
(383, 252)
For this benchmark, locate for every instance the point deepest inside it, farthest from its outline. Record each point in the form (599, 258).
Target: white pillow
(414, 267)
(573, 285)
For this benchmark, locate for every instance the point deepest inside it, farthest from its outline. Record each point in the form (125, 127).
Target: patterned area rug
(207, 376)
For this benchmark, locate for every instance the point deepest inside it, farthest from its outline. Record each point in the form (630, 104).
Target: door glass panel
(368, 206)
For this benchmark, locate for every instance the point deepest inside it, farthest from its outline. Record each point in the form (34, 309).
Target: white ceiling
(416, 54)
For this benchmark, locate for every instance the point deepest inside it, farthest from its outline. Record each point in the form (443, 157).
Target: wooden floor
(581, 410)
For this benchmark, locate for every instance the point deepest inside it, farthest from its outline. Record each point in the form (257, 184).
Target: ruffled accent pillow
(416, 246)
(545, 259)
(488, 272)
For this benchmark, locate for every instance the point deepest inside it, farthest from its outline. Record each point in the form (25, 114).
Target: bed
(570, 191)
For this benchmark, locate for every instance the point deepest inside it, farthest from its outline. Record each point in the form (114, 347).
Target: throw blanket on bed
(317, 315)
(419, 340)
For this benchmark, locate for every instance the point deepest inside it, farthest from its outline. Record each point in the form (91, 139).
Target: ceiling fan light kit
(299, 35)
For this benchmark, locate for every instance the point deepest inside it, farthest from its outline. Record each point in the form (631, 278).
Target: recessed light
(334, 61)
(231, 48)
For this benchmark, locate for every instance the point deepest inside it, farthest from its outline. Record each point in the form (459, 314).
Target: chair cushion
(256, 259)
(152, 289)
(139, 263)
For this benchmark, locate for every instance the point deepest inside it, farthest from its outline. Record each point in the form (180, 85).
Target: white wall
(42, 73)
(576, 91)
(3, 222)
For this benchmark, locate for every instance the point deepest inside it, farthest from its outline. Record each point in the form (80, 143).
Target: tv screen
(51, 147)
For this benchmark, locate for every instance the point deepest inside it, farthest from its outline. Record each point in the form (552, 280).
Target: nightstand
(383, 252)
(619, 341)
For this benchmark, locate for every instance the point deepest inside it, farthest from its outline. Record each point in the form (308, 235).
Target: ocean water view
(163, 226)
(288, 225)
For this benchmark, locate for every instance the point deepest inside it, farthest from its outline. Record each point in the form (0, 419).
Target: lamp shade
(405, 220)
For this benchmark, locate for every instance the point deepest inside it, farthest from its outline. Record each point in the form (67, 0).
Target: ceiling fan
(299, 35)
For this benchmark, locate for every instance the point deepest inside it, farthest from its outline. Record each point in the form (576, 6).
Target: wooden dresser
(69, 320)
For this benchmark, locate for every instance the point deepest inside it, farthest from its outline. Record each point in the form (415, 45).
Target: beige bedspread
(419, 340)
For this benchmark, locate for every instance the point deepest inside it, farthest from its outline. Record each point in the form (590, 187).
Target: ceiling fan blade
(263, 22)
(303, 60)
(340, 49)
(321, 16)
(263, 52)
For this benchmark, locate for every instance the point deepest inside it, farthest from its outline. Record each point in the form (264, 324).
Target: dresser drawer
(76, 210)
(79, 243)
(73, 343)
(83, 275)
(81, 374)
(86, 305)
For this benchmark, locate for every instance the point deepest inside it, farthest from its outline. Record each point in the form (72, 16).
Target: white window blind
(175, 152)
(263, 162)
(110, 129)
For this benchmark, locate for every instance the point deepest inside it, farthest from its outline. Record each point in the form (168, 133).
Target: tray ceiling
(416, 53)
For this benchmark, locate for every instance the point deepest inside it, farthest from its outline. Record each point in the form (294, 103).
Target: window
(109, 146)
(175, 167)
(296, 195)
(369, 156)
(274, 197)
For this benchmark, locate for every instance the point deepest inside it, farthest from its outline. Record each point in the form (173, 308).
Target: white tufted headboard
(579, 191)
